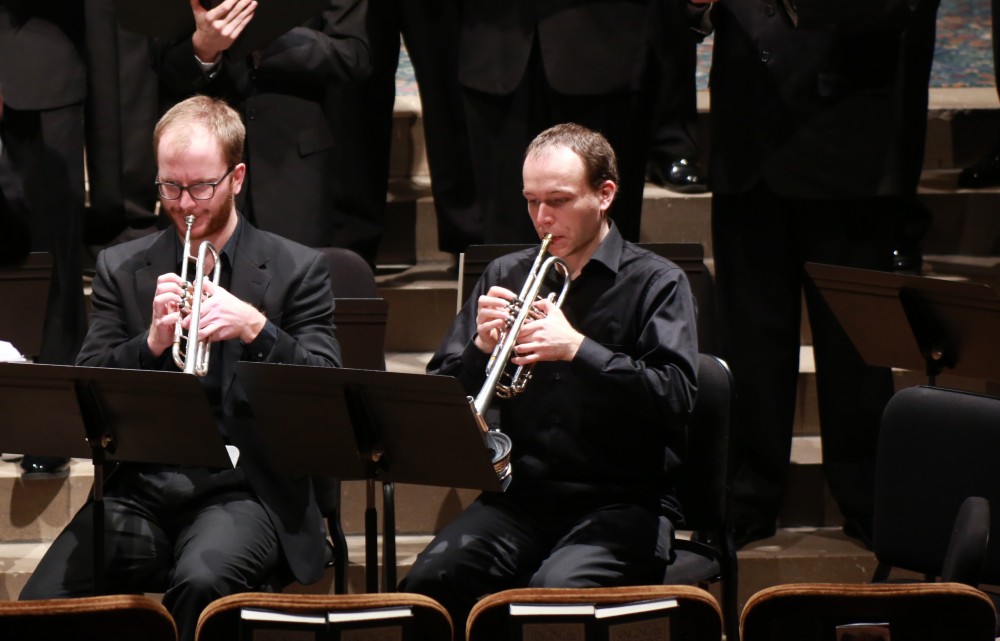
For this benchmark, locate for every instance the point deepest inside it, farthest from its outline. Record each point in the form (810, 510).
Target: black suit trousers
(761, 242)
(498, 543)
(160, 536)
(363, 117)
(502, 126)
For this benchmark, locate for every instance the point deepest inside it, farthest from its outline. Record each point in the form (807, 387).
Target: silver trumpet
(520, 310)
(197, 362)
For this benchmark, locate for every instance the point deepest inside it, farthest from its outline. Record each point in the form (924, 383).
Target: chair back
(704, 481)
(694, 614)
(428, 620)
(703, 486)
(100, 618)
(359, 313)
(688, 256)
(937, 447)
(892, 612)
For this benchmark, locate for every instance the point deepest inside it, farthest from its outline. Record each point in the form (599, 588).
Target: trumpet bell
(500, 445)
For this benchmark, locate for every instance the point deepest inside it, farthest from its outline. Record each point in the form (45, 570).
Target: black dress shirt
(604, 427)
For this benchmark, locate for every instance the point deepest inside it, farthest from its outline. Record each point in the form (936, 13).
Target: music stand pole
(96, 427)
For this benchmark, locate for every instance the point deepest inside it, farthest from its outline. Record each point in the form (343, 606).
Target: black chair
(935, 482)
(703, 487)
(688, 256)
(868, 612)
(360, 313)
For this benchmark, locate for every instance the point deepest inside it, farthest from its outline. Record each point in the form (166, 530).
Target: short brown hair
(594, 150)
(219, 118)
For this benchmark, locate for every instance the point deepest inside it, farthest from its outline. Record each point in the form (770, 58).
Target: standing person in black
(122, 108)
(526, 65)
(194, 533)
(986, 171)
(614, 380)
(281, 91)
(15, 242)
(43, 80)
(811, 162)
(362, 117)
(674, 151)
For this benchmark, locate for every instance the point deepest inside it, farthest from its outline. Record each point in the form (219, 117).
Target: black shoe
(860, 529)
(44, 467)
(985, 173)
(747, 532)
(683, 176)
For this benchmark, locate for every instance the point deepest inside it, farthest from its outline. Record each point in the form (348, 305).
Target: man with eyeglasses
(196, 534)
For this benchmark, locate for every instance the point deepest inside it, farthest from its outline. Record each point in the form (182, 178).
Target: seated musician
(197, 534)
(614, 380)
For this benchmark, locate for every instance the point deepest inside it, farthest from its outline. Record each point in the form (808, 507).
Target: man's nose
(186, 201)
(545, 214)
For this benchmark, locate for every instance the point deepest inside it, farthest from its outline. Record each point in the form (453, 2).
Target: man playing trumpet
(614, 380)
(197, 534)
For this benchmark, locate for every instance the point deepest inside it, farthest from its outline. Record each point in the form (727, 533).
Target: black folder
(173, 19)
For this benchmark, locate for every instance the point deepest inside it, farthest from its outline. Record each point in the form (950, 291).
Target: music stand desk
(915, 322)
(104, 414)
(369, 425)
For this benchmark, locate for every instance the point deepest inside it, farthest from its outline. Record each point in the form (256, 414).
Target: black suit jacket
(812, 114)
(290, 284)
(281, 94)
(587, 47)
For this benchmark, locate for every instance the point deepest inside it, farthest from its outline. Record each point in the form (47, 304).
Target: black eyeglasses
(198, 191)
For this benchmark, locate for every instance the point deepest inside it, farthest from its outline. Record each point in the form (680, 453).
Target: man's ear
(239, 174)
(607, 192)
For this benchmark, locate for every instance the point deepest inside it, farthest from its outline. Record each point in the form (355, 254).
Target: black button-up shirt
(604, 427)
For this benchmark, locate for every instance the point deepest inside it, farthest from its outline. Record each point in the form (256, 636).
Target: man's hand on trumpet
(223, 316)
(166, 313)
(550, 338)
(492, 316)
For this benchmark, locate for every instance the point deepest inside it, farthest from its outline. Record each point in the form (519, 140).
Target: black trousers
(761, 242)
(363, 115)
(195, 535)
(499, 543)
(501, 126)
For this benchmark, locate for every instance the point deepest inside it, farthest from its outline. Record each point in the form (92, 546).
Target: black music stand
(107, 415)
(915, 322)
(369, 425)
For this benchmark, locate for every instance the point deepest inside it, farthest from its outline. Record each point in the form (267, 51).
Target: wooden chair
(896, 612)
(428, 620)
(693, 613)
(101, 618)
